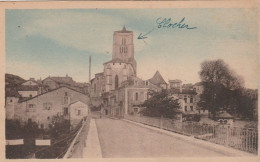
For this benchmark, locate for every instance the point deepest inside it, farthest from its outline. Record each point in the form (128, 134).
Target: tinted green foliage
(160, 103)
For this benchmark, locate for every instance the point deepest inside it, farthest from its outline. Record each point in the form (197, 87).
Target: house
(41, 108)
(187, 100)
(11, 100)
(97, 88)
(158, 80)
(224, 117)
(175, 84)
(127, 99)
(55, 82)
(78, 110)
(29, 88)
(198, 88)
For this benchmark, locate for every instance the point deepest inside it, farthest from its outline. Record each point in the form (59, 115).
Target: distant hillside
(12, 80)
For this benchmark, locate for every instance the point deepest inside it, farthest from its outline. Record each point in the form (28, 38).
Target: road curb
(218, 148)
(69, 151)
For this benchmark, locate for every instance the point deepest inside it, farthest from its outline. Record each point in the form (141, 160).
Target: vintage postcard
(146, 80)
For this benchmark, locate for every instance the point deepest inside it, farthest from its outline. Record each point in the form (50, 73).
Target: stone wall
(42, 108)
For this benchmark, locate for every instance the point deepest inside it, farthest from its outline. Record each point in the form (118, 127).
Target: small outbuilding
(78, 110)
(224, 117)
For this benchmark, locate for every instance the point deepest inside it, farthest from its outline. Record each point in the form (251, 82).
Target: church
(118, 90)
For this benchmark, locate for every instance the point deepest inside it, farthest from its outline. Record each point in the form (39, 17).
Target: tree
(59, 126)
(160, 103)
(221, 85)
(247, 103)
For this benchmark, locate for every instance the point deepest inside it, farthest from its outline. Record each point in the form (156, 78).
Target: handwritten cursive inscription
(166, 23)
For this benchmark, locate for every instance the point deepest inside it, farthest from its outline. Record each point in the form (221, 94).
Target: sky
(56, 42)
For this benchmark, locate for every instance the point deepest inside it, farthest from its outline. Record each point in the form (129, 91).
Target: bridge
(120, 138)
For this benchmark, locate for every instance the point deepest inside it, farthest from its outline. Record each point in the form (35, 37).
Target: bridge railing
(238, 138)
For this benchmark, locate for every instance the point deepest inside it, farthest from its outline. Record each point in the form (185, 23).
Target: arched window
(136, 96)
(116, 82)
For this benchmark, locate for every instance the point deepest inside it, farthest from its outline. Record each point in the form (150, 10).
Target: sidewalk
(92, 149)
(212, 146)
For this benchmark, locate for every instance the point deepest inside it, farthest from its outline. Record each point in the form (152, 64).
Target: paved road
(122, 139)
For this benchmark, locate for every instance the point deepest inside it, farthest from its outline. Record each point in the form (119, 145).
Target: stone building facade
(122, 92)
(78, 110)
(43, 107)
(123, 64)
(187, 99)
(127, 99)
(97, 88)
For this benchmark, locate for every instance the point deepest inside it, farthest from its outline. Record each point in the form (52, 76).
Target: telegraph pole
(89, 78)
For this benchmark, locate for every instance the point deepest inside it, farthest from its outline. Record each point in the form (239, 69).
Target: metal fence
(238, 138)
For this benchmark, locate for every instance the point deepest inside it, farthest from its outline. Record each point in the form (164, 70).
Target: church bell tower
(123, 47)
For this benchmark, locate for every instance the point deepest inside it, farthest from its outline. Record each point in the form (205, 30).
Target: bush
(59, 126)
(13, 129)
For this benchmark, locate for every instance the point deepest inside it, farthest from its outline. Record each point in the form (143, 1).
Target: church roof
(157, 79)
(123, 31)
(117, 60)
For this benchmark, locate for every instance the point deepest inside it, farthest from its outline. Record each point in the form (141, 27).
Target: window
(185, 108)
(48, 118)
(191, 100)
(79, 112)
(30, 95)
(30, 108)
(11, 100)
(136, 96)
(47, 106)
(116, 82)
(191, 108)
(66, 111)
(185, 99)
